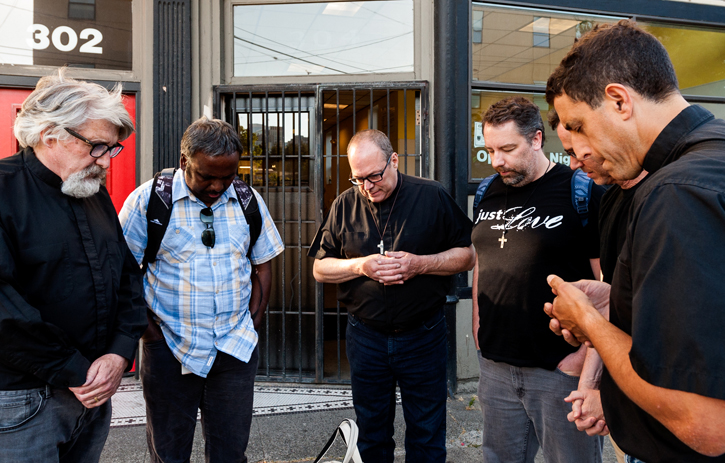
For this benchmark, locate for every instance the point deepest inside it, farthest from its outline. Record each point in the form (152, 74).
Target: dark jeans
(416, 360)
(225, 397)
(49, 425)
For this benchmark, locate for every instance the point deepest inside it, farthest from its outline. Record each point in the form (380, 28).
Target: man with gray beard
(71, 307)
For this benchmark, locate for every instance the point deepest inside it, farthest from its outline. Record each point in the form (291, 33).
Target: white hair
(59, 102)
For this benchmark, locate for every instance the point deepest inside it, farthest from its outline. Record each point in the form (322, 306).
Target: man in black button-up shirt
(71, 308)
(390, 244)
(663, 391)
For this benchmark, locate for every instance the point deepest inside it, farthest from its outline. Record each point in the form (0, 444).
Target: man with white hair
(71, 308)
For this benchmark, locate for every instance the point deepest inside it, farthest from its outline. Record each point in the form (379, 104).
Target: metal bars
(295, 143)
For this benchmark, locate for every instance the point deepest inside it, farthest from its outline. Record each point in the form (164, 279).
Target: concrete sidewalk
(293, 422)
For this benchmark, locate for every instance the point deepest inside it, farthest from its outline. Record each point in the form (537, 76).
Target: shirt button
(214, 264)
(217, 291)
(177, 231)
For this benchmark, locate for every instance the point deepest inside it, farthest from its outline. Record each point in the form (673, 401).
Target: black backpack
(158, 212)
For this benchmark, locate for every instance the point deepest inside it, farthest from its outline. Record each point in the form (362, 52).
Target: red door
(121, 179)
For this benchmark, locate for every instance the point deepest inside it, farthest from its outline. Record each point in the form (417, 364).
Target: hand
(586, 411)
(408, 266)
(572, 305)
(102, 380)
(393, 268)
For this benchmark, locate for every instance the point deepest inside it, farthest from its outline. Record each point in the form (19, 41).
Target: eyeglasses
(372, 178)
(98, 149)
(208, 237)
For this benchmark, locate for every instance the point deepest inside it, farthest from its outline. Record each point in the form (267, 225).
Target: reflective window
(523, 46)
(77, 33)
(480, 161)
(698, 55)
(323, 38)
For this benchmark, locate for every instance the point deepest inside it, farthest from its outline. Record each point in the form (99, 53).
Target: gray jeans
(524, 408)
(48, 425)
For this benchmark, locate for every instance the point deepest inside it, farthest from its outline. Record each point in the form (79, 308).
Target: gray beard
(84, 183)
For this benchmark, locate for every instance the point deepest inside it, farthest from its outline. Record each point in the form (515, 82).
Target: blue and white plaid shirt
(199, 294)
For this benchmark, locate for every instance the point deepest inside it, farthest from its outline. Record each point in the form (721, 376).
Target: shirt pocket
(47, 269)
(359, 244)
(178, 245)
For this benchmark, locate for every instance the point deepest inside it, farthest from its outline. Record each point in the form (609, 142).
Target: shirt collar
(180, 190)
(39, 169)
(670, 143)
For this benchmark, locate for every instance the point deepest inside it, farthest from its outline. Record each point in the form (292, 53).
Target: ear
(536, 141)
(619, 98)
(182, 162)
(394, 160)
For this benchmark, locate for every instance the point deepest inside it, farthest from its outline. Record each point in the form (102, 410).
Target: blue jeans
(49, 425)
(416, 361)
(524, 408)
(225, 397)
(631, 459)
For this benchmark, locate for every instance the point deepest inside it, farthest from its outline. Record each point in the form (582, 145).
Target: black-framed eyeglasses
(372, 178)
(98, 149)
(208, 237)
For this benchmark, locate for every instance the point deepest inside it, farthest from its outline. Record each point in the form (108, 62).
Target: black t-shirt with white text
(544, 235)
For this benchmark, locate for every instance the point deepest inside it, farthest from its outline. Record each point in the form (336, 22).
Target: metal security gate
(295, 140)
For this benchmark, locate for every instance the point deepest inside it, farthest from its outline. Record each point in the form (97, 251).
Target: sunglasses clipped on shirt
(98, 149)
(208, 237)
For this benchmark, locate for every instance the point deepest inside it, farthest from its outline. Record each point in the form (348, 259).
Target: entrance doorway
(295, 143)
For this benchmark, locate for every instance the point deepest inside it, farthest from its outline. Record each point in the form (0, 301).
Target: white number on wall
(90, 46)
(58, 38)
(39, 40)
(64, 39)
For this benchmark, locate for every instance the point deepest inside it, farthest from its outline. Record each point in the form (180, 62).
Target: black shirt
(668, 290)
(424, 221)
(613, 217)
(70, 290)
(544, 235)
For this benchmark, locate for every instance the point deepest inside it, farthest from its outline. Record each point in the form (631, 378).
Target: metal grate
(295, 140)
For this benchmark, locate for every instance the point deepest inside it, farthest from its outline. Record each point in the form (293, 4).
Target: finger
(549, 309)
(586, 424)
(92, 372)
(555, 326)
(596, 428)
(605, 431)
(576, 408)
(570, 338)
(394, 254)
(554, 281)
(575, 395)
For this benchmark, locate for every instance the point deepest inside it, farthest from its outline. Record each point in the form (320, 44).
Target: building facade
(299, 78)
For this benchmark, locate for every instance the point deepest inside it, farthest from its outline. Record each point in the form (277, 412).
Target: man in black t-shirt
(526, 228)
(391, 244)
(663, 392)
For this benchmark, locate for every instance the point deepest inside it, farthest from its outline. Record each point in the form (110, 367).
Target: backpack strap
(581, 193)
(158, 213)
(481, 190)
(250, 207)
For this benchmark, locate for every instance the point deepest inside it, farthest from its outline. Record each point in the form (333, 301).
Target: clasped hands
(574, 306)
(393, 268)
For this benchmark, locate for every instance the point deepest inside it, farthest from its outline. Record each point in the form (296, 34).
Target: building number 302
(64, 39)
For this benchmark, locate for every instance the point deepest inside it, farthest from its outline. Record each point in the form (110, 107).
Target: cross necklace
(381, 246)
(503, 239)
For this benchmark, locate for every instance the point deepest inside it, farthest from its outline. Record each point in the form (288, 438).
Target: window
(480, 167)
(82, 9)
(523, 46)
(323, 38)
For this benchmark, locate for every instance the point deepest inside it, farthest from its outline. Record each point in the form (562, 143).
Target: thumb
(555, 281)
(91, 374)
